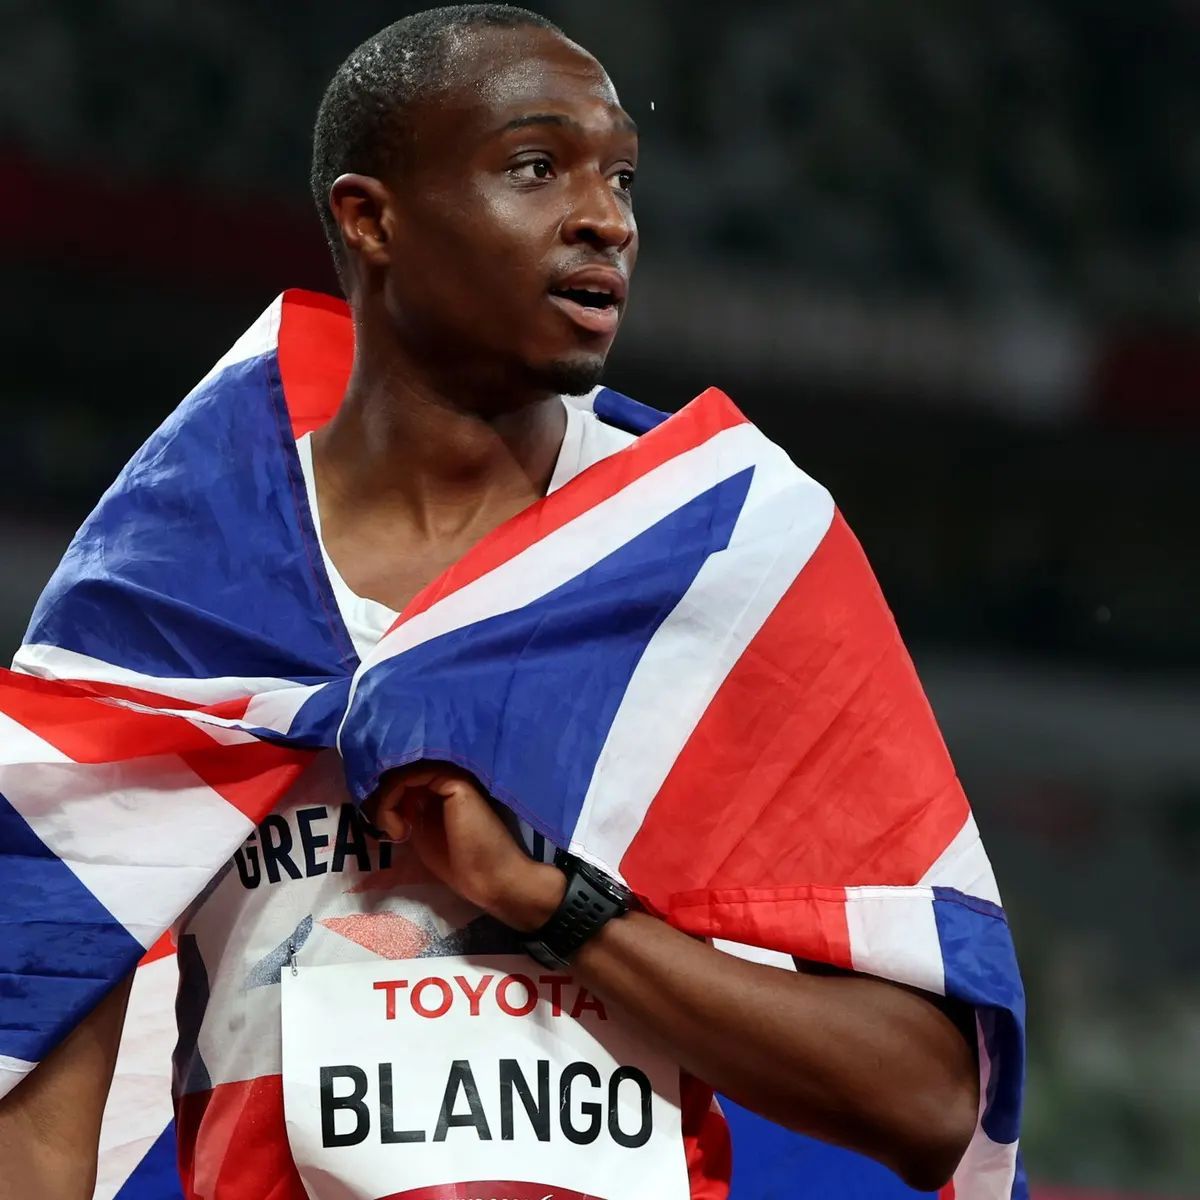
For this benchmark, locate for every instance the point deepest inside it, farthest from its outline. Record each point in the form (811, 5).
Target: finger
(437, 777)
(393, 825)
(394, 808)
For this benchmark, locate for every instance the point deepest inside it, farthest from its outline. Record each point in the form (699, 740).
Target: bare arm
(848, 1059)
(50, 1123)
(866, 1064)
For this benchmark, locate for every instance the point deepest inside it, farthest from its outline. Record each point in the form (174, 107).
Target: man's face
(515, 236)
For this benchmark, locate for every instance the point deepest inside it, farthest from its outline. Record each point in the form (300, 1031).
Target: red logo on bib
(495, 1189)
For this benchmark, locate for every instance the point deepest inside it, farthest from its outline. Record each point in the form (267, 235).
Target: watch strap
(585, 909)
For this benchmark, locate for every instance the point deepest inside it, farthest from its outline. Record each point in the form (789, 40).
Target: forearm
(855, 1061)
(850, 1060)
(50, 1123)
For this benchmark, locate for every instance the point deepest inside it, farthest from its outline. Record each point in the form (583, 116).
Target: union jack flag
(678, 664)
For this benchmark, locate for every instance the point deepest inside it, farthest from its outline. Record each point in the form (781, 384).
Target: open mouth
(586, 297)
(590, 307)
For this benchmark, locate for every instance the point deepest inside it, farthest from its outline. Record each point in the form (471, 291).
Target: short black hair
(363, 114)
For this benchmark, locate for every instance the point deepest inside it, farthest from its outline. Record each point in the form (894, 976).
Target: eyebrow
(625, 121)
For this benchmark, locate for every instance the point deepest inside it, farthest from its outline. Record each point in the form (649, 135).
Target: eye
(533, 168)
(624, 179)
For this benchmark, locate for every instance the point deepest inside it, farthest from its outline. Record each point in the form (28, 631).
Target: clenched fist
(457, 834)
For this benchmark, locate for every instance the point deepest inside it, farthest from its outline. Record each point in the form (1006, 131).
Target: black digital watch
(592, 899)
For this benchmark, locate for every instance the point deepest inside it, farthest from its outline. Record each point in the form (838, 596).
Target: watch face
(599, 879)
(621, 892)
(604, 882)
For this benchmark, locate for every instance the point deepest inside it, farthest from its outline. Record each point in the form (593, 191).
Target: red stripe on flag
(161, 949)
(233, 709)
(316, 351)
(252, 776)
(90, 729)
(807, 922)
(818, 762)
(707, 415)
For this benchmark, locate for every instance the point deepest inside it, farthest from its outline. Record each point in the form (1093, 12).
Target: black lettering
(511, 1077)
(350, 839)
(385, 854)
(246, 860)
(276, 852)
(330, 1104)
(388, 1133)
(631, 1141)
(538, 850)
(588, 1108)
(312, 842)
(461, 1076)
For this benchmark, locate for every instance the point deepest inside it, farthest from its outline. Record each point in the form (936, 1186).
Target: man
(474, 171)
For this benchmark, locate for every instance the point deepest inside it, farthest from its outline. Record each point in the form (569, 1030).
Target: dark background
(947, 253)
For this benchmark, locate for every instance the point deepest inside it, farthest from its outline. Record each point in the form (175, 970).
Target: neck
(418, 450)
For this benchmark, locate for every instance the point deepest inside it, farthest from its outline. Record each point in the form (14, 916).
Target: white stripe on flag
(964, 865)
(139, 1102)
(785, 516)
(277, 710)
(988, 1168)
(768, 958)
(893, 934)
(20, 746)
(53, 662)
(585, 403)
(568, 551)
(12, 1071)
(97, 816)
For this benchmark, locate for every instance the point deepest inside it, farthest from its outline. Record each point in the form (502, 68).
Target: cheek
(477, 265)
(509, 254)
(516, 237)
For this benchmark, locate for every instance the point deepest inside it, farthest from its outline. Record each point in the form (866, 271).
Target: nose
(599, 217)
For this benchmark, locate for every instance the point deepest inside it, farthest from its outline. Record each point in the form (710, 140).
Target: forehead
(493, 74)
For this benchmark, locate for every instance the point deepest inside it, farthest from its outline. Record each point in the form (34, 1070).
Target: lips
(592, 298)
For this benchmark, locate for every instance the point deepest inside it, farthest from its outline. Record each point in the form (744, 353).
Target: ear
(361, 206)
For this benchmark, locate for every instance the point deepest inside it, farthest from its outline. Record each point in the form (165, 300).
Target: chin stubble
(572, 377)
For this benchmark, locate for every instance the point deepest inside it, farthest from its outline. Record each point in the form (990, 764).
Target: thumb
(396, 807)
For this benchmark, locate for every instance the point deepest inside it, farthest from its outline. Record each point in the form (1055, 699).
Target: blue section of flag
(981, 970)
(58, 943)
(552, 673)
(199, 560)
(772, 1163)
(315, 723)
(615, 408)
(156, 1177)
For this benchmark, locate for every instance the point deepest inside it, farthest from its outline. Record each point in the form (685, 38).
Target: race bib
(472, 1078)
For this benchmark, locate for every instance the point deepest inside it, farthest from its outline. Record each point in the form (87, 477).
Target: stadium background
(947, 254)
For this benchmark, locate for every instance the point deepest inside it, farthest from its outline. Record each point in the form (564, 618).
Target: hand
(455, 832)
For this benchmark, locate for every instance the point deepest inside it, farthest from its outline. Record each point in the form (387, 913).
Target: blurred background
(947, 253)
